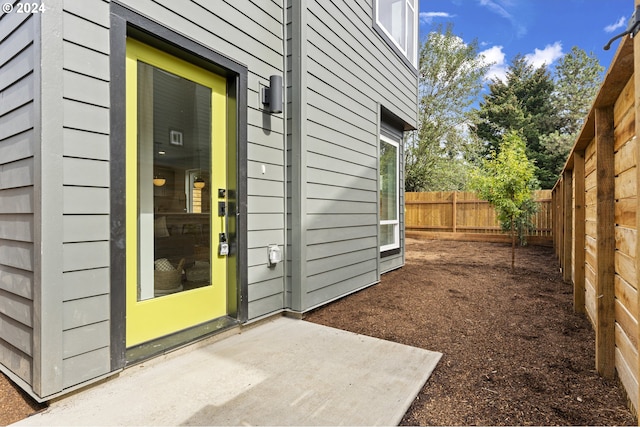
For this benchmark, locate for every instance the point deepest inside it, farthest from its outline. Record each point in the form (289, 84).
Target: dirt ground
(514, 353)
(14, 403)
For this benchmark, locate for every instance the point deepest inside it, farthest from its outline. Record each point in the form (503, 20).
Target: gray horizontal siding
(85, 284)
(85, 144)
(17, 227)
(85, 366)
(17, 334)
(16, 200)
(85, 180)
(388, 78)
(16, 281)
(17, 233)
(349, 73)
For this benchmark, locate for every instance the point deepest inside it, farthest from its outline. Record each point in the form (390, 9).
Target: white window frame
(394, 222)
(411, 40)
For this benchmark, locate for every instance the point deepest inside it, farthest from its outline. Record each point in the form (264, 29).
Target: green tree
(522, 102)
(507, 180)
(577, 78)
(450, 79)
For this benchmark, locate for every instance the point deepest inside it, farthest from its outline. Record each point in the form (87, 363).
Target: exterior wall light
(272, 95)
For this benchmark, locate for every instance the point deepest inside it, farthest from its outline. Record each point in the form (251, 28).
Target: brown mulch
(514, 352)
(15, 404)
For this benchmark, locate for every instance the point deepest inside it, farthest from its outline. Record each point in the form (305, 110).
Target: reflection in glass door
(176, 142)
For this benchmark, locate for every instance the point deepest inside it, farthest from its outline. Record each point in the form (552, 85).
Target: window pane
(411, 36)
(174, 169)
(388, 181)
(388, 234)
(392, 16)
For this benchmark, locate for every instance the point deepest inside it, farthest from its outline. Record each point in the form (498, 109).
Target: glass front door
(176, 165)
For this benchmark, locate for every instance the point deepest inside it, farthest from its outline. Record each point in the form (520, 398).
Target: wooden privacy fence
(596, 214)
(462, 216)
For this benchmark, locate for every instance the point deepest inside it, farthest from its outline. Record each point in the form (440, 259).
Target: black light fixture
(272, 95)
(633, 27)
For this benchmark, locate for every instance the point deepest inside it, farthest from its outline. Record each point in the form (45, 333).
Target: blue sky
(543, 30)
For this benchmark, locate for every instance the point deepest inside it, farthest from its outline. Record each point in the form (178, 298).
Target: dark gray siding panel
(17, 119)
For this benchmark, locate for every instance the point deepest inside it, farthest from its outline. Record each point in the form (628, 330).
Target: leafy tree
(507, 180)
(577, 78)
(523, 103)
(450, 79)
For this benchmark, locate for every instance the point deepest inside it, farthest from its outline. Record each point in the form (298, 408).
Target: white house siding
(346, 73)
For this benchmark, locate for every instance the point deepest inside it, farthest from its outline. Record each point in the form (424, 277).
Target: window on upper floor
(398, 21)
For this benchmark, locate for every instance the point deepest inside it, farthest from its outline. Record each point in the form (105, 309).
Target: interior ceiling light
(159, 181)
(198, 183)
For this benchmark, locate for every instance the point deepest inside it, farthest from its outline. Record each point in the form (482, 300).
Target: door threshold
(168, 343)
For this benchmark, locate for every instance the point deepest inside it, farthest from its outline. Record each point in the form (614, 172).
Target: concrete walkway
(284, 372)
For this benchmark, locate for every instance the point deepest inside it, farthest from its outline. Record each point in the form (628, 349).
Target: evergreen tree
(577, 78)
(521, 103)
(548, 111)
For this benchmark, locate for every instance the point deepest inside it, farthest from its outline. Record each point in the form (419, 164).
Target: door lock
(222, 209)
(223, 248)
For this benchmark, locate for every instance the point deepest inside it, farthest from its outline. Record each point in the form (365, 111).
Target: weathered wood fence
(595, 220)
(457, 215)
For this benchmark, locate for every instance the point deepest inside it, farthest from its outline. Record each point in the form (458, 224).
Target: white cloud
(501, 8)
(427, 17)
(496, 57)
(619, 24)
(496, 8)
(548, 55)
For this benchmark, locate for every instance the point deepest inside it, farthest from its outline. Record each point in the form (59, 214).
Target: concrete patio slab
(283, 372)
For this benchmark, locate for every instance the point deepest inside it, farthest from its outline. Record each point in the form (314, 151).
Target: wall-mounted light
(272, 95)
(633, 27)
(159, 181)
(198, 183)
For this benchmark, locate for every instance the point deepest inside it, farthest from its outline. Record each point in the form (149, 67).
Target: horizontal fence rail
(462, 215)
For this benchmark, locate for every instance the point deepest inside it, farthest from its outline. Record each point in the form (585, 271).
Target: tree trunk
(513, 244)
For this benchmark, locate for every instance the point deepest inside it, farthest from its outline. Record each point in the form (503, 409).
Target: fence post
(605, 244)
(454, 210)
(568, 226)
(636, 106)
(578, 278)
(560, 219)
